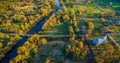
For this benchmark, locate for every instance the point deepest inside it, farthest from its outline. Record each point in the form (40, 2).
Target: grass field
(115, 3)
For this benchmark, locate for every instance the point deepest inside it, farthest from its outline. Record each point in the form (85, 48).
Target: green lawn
(90, 8)
(115, 3)
(63, 28)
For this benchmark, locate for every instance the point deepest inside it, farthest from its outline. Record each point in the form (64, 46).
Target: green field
(115, 3)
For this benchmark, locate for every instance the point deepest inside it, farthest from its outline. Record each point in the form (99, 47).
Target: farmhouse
(97, 41)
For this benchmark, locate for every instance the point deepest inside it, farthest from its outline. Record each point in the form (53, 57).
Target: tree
(34, 39)
(64, 8)
(75, 23)
(80, 44)
(80, 12)
(44, 11)
(44, 41)
(1, 45)
(35, 50)
(114, 28)
(69, 47)
(72, 12)
(71, 29)
(67, 1)
(102, 20)
(1, 55)
(21, 50)
(2, 35)
(105, 29)
(20, 31)
(91, 25)
(89, 31)
(10, 43)
(17, 37)
(77, 29)
(47, 61)
(66, 17)
(51, 24)
(102, 14)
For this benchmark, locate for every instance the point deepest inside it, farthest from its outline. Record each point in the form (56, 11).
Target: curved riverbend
(13, 52)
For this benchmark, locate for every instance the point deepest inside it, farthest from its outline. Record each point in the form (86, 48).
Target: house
(82, 28)
(98, 41)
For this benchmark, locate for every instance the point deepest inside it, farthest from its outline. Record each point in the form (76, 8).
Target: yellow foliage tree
(1, 45)
(103, 20)
(80, 44)
(91, 25)
(71, 29)
(44, 41)
(89, 31)
(66, 17)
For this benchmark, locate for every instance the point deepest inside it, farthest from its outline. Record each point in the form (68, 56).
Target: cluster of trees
(109, 19)
(19, 16)
(51, 22)
(76, 50)
(106, 54)
(90, 27)
(29, 49)
(7, 42)
(109, 29)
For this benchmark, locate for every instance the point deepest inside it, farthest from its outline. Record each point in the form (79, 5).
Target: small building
(98, 41)
(82, 28)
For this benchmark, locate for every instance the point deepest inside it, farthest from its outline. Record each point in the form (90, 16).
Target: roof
(95, 41)
(82, 28)
(98, 41)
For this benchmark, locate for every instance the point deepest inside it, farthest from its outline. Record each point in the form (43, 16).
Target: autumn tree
(80, 12)
(64, 9)
(80, 44)
(72, 12)
(71, 29)
(89, 31)
(66, 17)
(102, 20)
(43, 41)
(1, 45)
(91, 25)
(76, 50)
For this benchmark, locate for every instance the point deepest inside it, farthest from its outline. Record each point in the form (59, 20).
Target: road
(114, 42)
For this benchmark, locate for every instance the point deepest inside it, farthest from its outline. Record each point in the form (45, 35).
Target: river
(13, 52)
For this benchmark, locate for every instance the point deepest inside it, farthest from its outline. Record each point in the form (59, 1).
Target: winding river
(13, 52)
